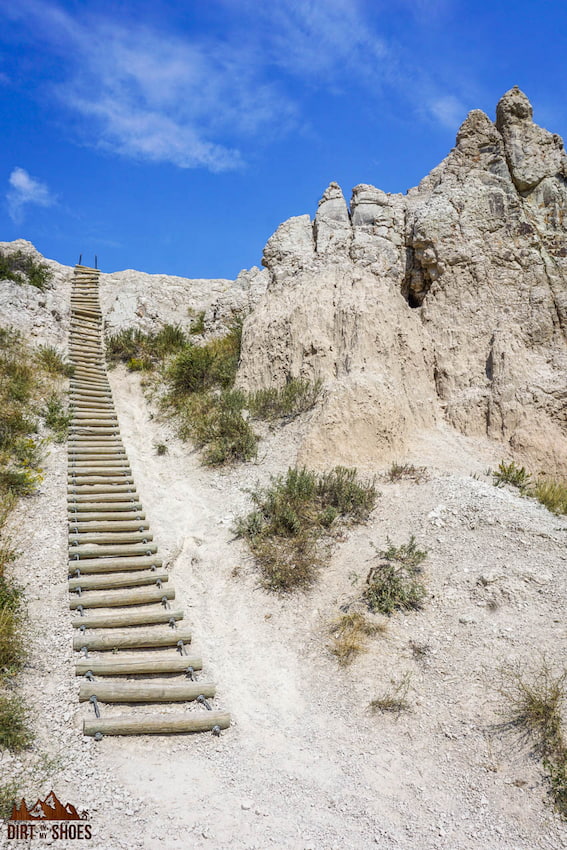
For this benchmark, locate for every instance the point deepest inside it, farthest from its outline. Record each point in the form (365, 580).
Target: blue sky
(175, 136)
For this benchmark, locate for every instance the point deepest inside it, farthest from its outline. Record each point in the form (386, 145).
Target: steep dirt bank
(305, 764)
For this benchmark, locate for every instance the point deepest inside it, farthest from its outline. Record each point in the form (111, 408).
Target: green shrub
(141, 350)
(395, 583)
(15, 734)
(534, 705)
(213, 420)
(552, 494)
(53, 363)
(23, 268)
(198, 324)
(198, 368)
(296, 397)
(56, 417)
(509, 473)
(291, 517)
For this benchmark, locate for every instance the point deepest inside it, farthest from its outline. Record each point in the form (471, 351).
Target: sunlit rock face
(448, 304)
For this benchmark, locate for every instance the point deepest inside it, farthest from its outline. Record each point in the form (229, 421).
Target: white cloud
(25, 190)
(196, 101)
(448, 110)
(155, 96)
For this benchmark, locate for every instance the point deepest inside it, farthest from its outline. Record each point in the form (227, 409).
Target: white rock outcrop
(448, 303)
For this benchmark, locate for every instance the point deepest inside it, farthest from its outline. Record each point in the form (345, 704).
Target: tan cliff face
(448, 304)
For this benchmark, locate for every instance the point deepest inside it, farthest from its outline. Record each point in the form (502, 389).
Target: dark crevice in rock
(417, 279)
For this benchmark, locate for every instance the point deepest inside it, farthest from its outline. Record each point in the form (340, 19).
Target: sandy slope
(305, 764)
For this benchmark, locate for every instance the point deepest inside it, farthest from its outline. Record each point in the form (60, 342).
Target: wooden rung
(104, 507)
(124, 516)
(131, 617)
(119, 598)
(109, 639)
(113, 565)
(105, 537)
(163, 690)
(116, 525)
(99, 488)
(108, 551)
(110, 496)
(157, 724)
(110, 580)
(125, 665)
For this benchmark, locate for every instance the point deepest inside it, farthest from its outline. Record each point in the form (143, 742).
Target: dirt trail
(305, 764)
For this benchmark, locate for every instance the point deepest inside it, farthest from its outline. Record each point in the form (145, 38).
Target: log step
(131, 665)
(119, 598)
(158, 724)
(113, 565)
(104, 507)
(110, 580)
(90, 552)
(150, 616)
(128, 525)
(111, 639)
(162, 690)
(117, 537)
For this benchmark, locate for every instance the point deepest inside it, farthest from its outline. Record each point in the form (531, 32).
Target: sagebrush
(294, 515)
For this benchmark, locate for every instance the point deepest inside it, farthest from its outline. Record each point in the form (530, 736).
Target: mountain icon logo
(49, 809)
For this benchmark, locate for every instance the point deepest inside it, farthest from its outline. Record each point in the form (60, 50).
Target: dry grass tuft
(534, 705)
(399, 471)
(394, 700)
(349, 636)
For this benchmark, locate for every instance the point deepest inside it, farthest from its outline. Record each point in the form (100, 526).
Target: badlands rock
(449, 303)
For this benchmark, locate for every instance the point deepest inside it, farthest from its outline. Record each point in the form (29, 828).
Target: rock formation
(446, 304)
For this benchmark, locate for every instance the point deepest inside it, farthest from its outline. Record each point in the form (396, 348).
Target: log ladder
(130, 636)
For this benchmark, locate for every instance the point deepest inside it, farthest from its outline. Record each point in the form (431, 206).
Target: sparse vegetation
(295, 516)
(395, 582)
(551, 493)
(27, 385)
(349, 635)
(14, 730)
(161, 449)
(143, 351)
(49, 359)
(56, 417)
(198, 324)
(534, 705)
(516, 476)
(198, 368)
(420, 651)
(394, 700)
(23, 268)
(400, 471)
(296, 397)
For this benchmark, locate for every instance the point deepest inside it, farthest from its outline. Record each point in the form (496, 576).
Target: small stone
(246, 805)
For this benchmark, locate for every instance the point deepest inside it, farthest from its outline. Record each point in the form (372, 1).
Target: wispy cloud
(194, 100)
(25, 191)
(448, 111)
